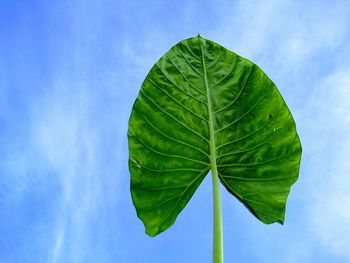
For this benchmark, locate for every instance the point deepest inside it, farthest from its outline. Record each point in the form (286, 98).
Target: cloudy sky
(69, 74)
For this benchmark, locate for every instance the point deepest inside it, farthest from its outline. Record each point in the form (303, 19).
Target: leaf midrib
(210, 116)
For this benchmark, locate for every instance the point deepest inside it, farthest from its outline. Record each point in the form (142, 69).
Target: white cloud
(56, 253)
(142, 55)
(285, 38)
(282, 32)
(330, 194)
(337, 97)
(67, 142)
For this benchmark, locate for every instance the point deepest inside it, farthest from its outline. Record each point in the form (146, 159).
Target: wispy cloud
(283, 32)
(58, 244)
(300, 50)
(78, 71)
(67, 141)
(330, 190)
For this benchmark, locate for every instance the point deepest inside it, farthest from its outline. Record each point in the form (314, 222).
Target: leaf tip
(281, 222)
(152, 231)
(199, 36)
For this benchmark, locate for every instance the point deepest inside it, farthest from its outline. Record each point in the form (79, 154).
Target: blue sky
(69, 74)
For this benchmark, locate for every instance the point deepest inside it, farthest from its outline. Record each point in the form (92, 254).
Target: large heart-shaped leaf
(201, 108)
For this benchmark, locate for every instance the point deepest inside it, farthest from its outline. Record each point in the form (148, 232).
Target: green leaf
(203, 107)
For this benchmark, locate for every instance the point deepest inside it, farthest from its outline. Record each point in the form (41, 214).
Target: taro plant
(204, 108)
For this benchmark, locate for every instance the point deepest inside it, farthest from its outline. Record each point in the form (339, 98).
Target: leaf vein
(178, 87)
(190, 50)
(183, 193)
(221, 80)
(184, 77)
(245, 114)
(255, 179)
(171, 116)
(264, 192)
(176, 101)
(251, 164)
(160, 188)
(171, 138)
(169, 155)
(164, 170)
(192, 67)
(239, 95)
(249, 149)
(243, 137)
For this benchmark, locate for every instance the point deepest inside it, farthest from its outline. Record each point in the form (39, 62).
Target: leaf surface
(203, 107)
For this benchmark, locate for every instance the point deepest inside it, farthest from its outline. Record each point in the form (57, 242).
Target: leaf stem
(217, 224)
(217, 217)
